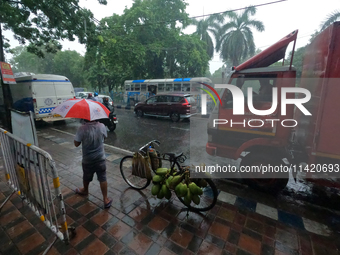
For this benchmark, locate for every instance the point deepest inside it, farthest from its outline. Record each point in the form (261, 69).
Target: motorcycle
(112, 121)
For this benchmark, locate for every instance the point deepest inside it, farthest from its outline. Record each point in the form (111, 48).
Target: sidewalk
(139, 223)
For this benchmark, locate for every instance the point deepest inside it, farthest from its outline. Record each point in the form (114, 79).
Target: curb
(115, 149)
(119, 150)
(124, 107)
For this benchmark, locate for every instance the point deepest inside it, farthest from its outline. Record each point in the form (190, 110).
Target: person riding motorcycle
(112, 120)
(89, 96)
(96, 98)
(107, 104)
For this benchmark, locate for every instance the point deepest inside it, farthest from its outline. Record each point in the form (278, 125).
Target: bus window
(137, 87)
(177, 87)
(168, 87)
(160, 87)
(194, 87)
(132, 87)
(127, 87)
(143, 87)
(186, 87)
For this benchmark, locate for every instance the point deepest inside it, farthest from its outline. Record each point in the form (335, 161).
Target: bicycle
(208, 198)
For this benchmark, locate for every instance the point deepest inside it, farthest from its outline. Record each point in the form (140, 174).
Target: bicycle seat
(174, 155)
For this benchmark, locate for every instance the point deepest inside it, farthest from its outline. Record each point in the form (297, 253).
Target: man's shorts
(99, 168)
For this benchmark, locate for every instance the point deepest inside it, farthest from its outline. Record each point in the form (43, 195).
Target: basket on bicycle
(141, 166)
(143, 160)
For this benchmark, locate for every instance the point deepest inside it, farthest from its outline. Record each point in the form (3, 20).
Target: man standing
(91, 135)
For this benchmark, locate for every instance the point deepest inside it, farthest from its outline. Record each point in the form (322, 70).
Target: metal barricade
(31, 172)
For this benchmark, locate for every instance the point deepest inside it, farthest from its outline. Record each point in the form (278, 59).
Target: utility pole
(6, 93)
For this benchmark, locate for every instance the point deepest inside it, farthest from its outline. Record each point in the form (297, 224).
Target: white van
(40, 93)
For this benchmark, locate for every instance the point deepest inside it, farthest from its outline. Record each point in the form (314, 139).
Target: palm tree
(235, 38)
(334, 16)
(206, 26)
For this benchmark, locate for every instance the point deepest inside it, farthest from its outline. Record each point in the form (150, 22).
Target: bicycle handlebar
(180, 159)
(150, 143)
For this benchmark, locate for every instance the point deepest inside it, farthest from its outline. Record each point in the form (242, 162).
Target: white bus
(40, 93)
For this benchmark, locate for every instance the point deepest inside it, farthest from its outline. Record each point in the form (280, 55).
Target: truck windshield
(261, 88)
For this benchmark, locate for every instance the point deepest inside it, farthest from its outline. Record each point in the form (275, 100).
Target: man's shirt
(91, 136)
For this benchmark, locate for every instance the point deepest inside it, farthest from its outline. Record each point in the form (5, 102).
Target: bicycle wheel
(133, 180)
(207, 200)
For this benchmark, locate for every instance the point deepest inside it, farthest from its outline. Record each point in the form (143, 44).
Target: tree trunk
(6, 93)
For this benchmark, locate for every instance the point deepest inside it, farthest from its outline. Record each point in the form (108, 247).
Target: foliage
(70, 64)
(332, 17)
(297, 60)
(299, 55)
(24, 61)
(205, 27)
(67, 63)
(235, 38)
(144, 43)
(42, 23)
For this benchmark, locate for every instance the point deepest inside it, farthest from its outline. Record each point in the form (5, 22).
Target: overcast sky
(279, 19)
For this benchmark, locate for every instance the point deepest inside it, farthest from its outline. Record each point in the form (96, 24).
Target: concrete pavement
(139, 223)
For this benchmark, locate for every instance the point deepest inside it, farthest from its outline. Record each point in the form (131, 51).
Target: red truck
(304, 143)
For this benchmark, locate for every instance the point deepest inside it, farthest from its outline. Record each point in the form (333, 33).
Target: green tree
(42, 23)
(297, 60)
(70, 64)
(236, 40)
(190, 59)
(332, 17)
(144, 42)
(24, 61)
(153, 25)
(205, 27)
(67, 63)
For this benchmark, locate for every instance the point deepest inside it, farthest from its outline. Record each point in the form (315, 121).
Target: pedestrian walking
(91, 136)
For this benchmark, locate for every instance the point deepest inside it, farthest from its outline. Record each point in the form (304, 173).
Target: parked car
(83, 94)
(175, 105)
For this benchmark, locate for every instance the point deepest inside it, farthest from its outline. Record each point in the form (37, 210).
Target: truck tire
(272, 185)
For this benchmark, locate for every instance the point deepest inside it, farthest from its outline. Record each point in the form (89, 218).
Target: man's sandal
(108, 205)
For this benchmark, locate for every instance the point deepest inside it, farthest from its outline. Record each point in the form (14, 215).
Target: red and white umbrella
(82, 109)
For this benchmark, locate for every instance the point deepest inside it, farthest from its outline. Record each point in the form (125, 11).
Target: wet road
(190, 138)
(132, 132)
